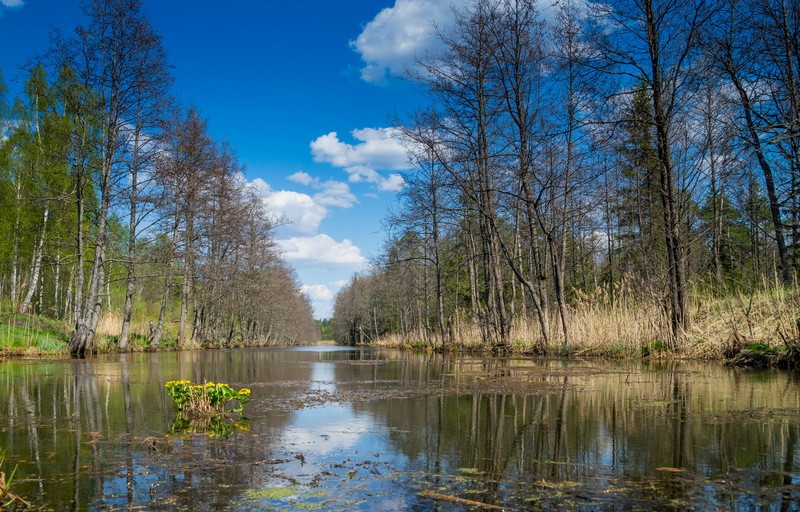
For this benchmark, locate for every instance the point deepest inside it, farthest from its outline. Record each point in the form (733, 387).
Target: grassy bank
(37, 335)
(24, 335)
(723, 325)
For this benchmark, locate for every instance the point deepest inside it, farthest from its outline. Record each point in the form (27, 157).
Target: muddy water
(343, 429)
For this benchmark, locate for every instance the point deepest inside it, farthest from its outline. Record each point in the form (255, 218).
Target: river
(335, 428)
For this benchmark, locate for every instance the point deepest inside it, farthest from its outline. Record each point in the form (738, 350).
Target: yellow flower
(244, 391)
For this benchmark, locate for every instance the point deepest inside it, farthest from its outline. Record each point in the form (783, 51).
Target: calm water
(340, 429)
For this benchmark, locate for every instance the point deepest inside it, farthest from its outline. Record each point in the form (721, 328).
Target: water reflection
(372, 429)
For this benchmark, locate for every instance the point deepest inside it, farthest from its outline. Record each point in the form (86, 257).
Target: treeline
(591, 153)
(115, 199)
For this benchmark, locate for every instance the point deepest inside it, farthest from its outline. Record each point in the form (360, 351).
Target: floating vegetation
(469, 471)
(272, 493)
(291, 496)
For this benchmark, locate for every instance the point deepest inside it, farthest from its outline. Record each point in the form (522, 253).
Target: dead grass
(626, 327)
(110, 325)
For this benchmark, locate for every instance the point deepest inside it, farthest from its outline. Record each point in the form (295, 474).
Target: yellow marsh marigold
(206, 397)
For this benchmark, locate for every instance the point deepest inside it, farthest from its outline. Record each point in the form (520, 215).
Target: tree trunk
(37, 266)
(132, 226)
(82, 339)
(155, 334)
(679, 317)
(766, 168)
(187, 281)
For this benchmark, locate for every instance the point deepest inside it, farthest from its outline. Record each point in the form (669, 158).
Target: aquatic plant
(207, 399)
(9, 501)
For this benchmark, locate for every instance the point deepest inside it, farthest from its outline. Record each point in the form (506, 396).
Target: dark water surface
(342, 429)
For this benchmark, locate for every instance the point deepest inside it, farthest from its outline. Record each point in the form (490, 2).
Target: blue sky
(303, 92)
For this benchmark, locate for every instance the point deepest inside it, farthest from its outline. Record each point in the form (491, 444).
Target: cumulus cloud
(317, 292)
(390, 43)
(335, 193)
(393, 41)
(392, 184)
(260, 187)
(332, 193)
(301, 212)
(322, 249)
(377, 148)
(322, 296)
(362, 173)
(301, 177)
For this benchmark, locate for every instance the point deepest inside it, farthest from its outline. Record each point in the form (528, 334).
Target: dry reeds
(8, 500)
(624, 324)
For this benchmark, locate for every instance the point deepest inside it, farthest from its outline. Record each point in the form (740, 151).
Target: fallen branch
(455, 499)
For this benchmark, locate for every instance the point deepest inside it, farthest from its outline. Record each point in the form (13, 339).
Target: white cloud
(390, 43)
(322, 296)
(392, 184)
(377, 148)
(260, 187)
(303, 178)
(397, 37)
(335, 193)
(12, 3)
(332, 193)
(301, 212)
(317, 292)
(322, 249)
(360, 173)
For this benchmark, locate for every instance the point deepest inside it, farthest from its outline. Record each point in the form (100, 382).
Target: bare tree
(657, 42)
(110, 60)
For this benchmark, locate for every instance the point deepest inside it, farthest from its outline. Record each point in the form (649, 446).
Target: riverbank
(23, 335)
(758, 329)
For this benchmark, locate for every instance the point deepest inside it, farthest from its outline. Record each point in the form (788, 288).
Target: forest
(606, 178)
(122, 221)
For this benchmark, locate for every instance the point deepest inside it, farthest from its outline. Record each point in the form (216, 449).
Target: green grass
(760, 348)
(27, 334)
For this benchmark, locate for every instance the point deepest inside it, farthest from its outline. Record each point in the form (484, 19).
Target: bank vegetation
(120, 216)
(604, 178)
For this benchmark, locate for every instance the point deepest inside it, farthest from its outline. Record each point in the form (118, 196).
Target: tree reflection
(520, 433)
